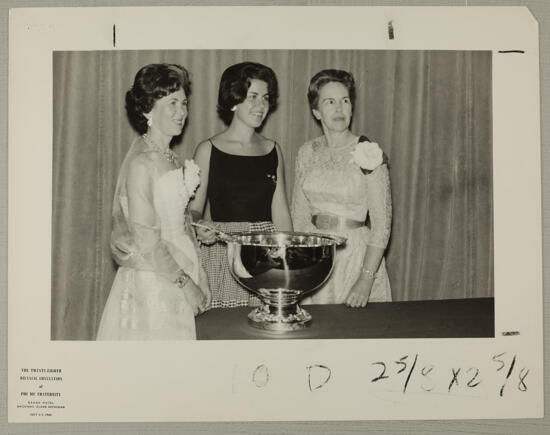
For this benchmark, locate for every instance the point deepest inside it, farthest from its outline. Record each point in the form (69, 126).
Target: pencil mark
(472, 382)
(522, 386)
(234, 378)
(260, 377)
(508, 375)
(390, 30)
(511, 51)
(403, 363)
(509, 333)
(426, 370)
(383, 374)
(495, 359)
(454, 380)
(410, 373)
(319, 382)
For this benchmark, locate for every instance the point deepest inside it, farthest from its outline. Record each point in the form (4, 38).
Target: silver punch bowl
(280, 268)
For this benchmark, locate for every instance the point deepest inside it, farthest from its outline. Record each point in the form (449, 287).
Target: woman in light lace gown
(160, 285)
(342, 187)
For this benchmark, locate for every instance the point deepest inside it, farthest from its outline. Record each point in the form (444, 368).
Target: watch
(182, 279)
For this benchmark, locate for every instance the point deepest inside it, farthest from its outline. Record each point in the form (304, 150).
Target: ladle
(225, 237)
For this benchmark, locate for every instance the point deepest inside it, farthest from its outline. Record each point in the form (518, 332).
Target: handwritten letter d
(318, 376)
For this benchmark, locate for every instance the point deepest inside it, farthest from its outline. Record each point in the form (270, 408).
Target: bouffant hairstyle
(153, 82)
(326, 76)
(234, 85)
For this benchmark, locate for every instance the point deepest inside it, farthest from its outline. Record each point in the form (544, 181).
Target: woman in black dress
(242, 176)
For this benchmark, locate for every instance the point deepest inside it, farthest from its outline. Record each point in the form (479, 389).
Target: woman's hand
(206, 236)
(196, 297)
(360, 291)
(203, 282)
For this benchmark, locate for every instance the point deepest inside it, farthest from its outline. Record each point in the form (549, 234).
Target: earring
(234, 108)
(150, 122)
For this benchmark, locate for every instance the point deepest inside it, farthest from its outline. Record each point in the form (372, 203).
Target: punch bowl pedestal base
(281, 268)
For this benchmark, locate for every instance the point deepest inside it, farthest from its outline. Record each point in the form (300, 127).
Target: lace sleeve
(136, 237)
(380, 206)
(300, 210)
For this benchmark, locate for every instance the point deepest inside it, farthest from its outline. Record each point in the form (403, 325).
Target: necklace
(168, 154)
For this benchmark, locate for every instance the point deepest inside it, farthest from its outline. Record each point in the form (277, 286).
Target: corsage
(368, 155)
(191, 176)
(191, 181)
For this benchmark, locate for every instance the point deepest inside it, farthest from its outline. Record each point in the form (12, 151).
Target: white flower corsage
(191, 177)
(368, 156)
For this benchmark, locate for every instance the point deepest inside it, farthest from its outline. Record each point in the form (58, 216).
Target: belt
(331, 222)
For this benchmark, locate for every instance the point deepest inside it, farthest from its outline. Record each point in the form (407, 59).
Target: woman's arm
(136, 241)
(380, 206)
(279, 204)
(197, 204)
(380, 213)
(202, 159)
(300, 210)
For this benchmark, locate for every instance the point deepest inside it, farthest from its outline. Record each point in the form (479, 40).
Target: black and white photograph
(305, 194)
(317, 224)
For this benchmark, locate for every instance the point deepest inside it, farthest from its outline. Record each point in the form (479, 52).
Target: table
(451, 318)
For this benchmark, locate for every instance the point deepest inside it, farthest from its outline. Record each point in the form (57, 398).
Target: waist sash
(331, 222)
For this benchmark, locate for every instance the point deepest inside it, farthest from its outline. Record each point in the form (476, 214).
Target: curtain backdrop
(429, 110)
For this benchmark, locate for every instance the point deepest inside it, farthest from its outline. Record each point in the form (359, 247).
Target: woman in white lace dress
(160, 285)
(342, 187)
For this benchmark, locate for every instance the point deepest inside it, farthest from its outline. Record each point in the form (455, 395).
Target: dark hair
(326, 76)
(153, 82)
(234, 85)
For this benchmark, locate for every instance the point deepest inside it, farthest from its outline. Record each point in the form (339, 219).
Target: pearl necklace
(168, 154)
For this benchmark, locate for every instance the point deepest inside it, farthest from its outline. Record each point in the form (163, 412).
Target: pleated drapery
(429, 110)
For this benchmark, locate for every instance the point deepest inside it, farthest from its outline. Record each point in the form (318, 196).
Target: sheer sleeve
(300, 209)
(136, 238)
(379, 206)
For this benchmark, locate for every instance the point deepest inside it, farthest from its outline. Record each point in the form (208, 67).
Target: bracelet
(182, 279)
(368, 272)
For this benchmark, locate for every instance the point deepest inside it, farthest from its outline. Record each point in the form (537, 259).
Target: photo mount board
(277, 380)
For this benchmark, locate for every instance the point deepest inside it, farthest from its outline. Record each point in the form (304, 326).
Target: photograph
(336, 222)
(282, 194)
